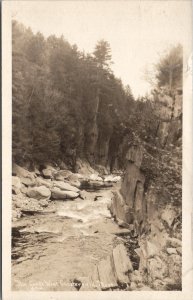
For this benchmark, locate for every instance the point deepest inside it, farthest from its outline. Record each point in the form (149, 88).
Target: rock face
(169, 111)
(39, 192)
(128, 204)
(114, 270)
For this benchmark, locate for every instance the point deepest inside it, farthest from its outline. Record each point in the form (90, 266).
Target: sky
(138, 31)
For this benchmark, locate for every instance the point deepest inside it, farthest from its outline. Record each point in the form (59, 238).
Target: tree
(169, 69)
(102, 54)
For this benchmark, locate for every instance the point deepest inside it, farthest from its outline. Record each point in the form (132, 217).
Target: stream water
(51, 251)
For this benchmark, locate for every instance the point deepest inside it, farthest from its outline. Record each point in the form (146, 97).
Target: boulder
(58, 177)
(16, 185)
(47, 183)
(106, 274)
(47, 173)
(122, 263)
(21, 172)
(39, 192)
(64, 186)
(28, 181)
(64, 173)
(57, 194)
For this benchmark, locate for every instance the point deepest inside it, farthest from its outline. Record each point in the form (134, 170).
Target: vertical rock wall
(128, 204)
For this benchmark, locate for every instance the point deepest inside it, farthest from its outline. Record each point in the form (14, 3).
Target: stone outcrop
(169, 111)
(113, 271)
(128, 203)
(122, 264)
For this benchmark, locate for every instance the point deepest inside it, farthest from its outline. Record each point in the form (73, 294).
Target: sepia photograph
(97, 139)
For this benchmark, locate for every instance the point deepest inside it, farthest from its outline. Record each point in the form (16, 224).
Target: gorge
(97, 174)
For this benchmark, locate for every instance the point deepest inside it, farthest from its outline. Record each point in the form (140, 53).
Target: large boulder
(39, 192)
(57, 194)
(64, 186)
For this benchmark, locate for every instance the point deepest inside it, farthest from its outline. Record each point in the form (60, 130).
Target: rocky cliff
(155, 216)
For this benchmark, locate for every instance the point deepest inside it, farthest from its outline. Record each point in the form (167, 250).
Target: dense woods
(57, 94)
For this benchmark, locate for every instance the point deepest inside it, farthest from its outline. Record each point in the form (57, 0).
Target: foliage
(55, 87)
